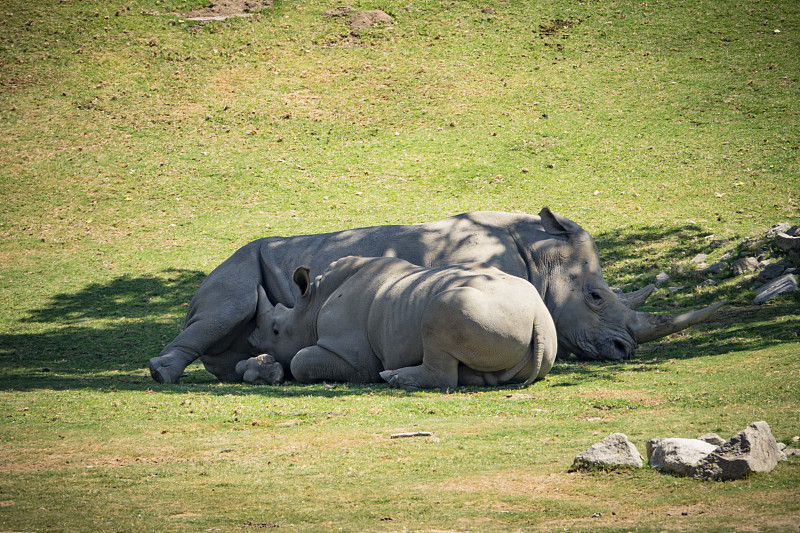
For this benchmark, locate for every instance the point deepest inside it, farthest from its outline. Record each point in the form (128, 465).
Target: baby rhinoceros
(367, 319)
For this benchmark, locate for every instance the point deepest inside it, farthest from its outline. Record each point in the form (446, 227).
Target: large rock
(786, 284)
(787, 242)
(614, 450)
(752, 450)
(677, 456)
(772, 270)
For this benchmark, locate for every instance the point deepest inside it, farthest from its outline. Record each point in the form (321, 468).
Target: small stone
(786, 284)
(708, 283)
(661, 278)
(745, 264)
(713, 269)
(614, 450)
(677, 289)
(699, 259)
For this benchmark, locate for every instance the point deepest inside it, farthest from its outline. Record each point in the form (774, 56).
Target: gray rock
(713, 269)
(677, 289)
(661, 278)
(677, 456)
(712, 438)
(791, 451)
(772, 270)
(745, 264)
(699, 259)
(708, 283)
(650, 447)
(614, 450)
(752, 450)
(787, 242)
(786, 284)
(780, 227)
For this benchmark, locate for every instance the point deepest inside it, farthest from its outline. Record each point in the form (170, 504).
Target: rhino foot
(395, 380)
(419, 377)
(163, 372)
(261, 370)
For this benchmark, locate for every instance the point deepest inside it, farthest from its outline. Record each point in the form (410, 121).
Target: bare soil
(228, 8)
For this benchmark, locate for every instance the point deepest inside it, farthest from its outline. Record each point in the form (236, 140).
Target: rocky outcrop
(752, 450)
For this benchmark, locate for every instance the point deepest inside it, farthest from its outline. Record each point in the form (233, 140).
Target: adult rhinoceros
(555, 254)
(366, 319)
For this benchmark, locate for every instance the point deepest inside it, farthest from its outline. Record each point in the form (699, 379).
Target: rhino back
(471, 237)
(398, 310)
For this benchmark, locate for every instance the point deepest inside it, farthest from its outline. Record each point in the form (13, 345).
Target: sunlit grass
(138, 151)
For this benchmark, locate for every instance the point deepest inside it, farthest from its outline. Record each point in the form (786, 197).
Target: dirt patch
(367, 19)
(557, 26)
(223, 9)
(625, 395)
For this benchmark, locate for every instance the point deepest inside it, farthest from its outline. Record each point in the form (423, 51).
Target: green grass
(138, 151)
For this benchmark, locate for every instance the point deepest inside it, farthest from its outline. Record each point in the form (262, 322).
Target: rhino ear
(302, 279)
(557, 225)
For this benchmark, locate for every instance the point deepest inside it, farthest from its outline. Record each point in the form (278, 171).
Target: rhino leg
(169, 366)
(439, 370)
(316, 363)
(468, 377)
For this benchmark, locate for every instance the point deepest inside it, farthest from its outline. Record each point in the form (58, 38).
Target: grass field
(138, 150)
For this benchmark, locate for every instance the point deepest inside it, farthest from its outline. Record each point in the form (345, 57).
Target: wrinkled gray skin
(556, 255)
(370, 319)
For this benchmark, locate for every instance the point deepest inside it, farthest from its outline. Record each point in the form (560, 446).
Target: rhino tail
(541, 353)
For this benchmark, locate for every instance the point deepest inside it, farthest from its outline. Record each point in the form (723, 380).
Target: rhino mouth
(613, 348)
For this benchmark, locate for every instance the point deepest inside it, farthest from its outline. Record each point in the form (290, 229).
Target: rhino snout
(618, 350)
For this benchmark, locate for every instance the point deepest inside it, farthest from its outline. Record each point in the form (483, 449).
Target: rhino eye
(596, 296)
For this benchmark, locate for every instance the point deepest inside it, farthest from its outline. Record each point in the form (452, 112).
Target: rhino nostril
(622, 349)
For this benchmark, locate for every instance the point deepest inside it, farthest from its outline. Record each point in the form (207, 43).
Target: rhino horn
(647, 327)
(632, 300)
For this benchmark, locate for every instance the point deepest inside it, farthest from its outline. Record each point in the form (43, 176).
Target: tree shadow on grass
(104, 327)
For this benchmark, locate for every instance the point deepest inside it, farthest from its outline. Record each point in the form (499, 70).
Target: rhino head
(592, 322)
(283, 331)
